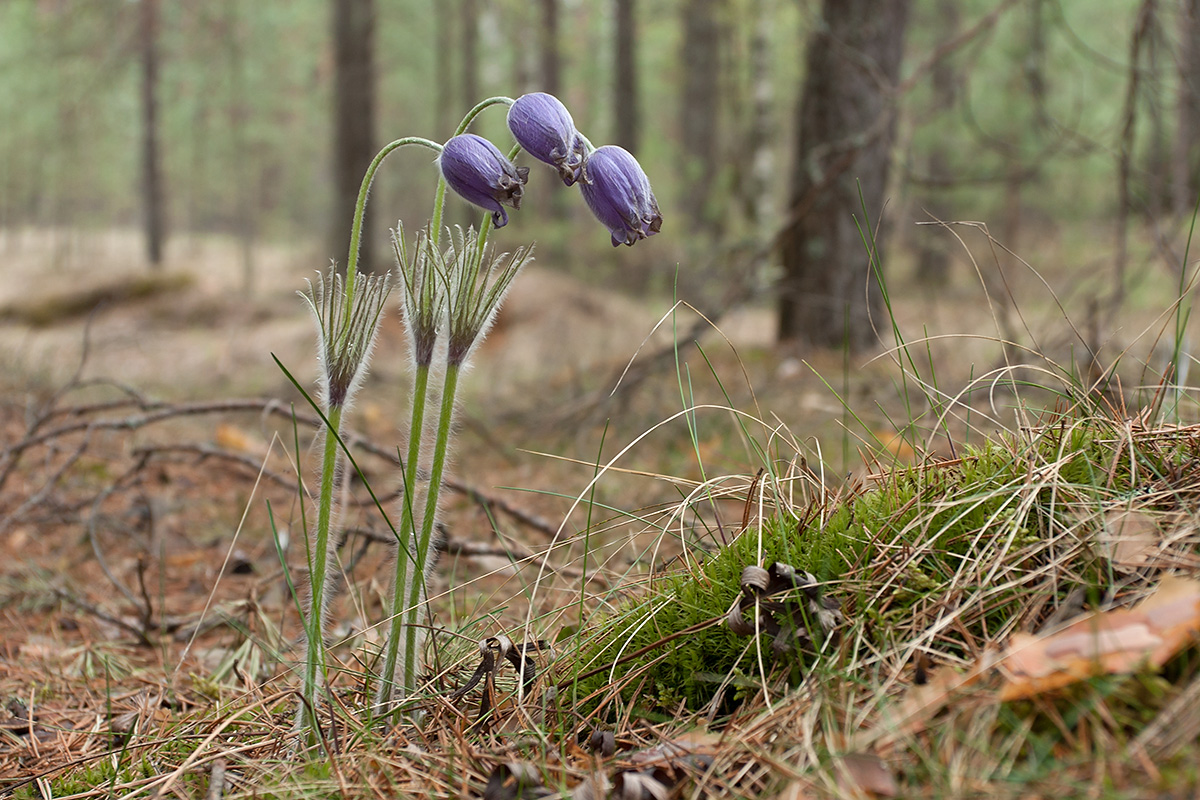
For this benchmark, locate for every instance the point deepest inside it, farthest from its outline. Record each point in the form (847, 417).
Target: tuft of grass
(942, 557)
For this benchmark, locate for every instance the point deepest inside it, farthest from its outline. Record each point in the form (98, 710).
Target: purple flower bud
(619, 194)
(481, 174)
(543, 126)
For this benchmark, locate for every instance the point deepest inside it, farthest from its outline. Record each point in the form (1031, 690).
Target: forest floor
(151, 458)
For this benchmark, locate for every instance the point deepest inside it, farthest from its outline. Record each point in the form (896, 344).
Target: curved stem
(449, 387)
(361, 205)
(403, 554)
(439, 200)
(479, 107)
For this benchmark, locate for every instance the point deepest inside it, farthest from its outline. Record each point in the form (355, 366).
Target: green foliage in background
(246, 107)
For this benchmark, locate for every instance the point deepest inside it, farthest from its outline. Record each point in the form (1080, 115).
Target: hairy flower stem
(428, 519)
(404, 555)
(360, 207)
(318, 563)
(439, 200)
(318, 557)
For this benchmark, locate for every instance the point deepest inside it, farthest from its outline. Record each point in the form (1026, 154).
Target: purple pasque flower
(618, 192)
(543, 126)
(479, 172)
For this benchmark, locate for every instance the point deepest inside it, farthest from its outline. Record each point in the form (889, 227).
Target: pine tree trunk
(625, 85)
(829, 295)
(152, 188)
(354, 122)
(548, 45)
(469, 50)
(444, 80)
(934, 244)
(698, 120)
(1187, 131)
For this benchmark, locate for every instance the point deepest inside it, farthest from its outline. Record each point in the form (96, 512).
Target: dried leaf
(1110, 642)
(658, 770)
(861, 774)
(1131, 539)
(593, 787)
(648, 785)
(231, 437)
(515, 781)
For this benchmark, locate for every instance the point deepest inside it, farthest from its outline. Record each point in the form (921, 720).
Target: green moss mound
(945, 556)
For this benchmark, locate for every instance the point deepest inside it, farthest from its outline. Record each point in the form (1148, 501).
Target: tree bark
(698, 120)
(152, 186)
(1187, 131)
(470, 54)
(829, 295)
(444, 78)
(238, 114)
(551, 80)
(354, 122)
(758, 136)
(934, 245)
(625, 85)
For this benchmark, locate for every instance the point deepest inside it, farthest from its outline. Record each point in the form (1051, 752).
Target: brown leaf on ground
(1109, 642)
(233, 437)
(1130, 539)
(863, 774)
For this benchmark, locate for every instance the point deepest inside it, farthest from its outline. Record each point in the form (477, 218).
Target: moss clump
(949, 554)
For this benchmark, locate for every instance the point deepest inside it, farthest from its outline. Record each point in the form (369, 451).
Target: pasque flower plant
(450, 295)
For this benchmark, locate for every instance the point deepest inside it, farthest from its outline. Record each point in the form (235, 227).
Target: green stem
(449, 387)
(439, 205)
(439, 200)
(315, 665)
(361, 206)
(403, 555)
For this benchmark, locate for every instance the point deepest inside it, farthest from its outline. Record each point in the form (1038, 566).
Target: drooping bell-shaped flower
(543, 127)
(479, 172)
(618, 192)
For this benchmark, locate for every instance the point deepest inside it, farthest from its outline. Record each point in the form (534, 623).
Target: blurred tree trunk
(625, 85)
(525, 61)
(239, 112)
(1187, 131)
(829, 294)
(1158, 166)
(152, 188)
(698, 120)
(444, 78)
(933, 244)
(548, 45)
(757, 194)
(354, 122)
(1020, 172)
(469, 51)
(1142, 32)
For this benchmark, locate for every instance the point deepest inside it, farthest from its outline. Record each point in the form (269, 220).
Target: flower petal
(618, 193)
(477, 171)
(542, 125)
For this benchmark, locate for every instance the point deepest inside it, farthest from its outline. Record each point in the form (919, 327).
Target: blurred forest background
(1074, 120)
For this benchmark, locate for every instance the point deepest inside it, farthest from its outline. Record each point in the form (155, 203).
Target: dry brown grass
(180, 678)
